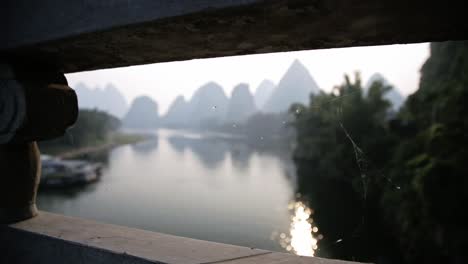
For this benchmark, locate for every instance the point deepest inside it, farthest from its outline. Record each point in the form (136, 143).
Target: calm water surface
(190, 185)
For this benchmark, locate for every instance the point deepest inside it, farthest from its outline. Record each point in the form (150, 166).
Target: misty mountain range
(108, 99)
(296, 86)
(209, 106)
(143, 113)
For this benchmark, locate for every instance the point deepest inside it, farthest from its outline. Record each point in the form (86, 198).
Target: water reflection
(70, 193)
(222, 190)
(177, 143)
(146, 147)
(303, 234)
(240, 155)
(211, 152)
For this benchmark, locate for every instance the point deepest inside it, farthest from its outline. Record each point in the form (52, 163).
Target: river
(192, 185)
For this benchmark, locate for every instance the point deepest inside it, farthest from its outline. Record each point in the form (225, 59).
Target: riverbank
(116, 139)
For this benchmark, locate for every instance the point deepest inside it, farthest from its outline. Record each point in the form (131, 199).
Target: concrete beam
(50, 238)
(26, 22)
(81, 35)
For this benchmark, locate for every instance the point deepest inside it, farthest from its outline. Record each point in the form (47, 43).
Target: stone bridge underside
(84, 35)
(41, 40)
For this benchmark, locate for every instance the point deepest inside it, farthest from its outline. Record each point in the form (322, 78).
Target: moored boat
(65, 173)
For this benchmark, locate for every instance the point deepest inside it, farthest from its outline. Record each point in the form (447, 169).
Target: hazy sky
(400, 64)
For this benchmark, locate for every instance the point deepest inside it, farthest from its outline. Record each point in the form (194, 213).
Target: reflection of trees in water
(56, 200)
(211, 152)
(177, 143)
(240, 155)
(145, 147)
(350, 224)
(50, 194)
(289, 169)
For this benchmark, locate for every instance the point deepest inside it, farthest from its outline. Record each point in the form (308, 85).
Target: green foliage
(270, 130)
(268, 126)
(405, 176)
(342, 140)
(429, 161)
(339, 123)
(91, 128)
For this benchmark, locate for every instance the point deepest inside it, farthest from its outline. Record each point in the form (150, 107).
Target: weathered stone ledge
(51, 238)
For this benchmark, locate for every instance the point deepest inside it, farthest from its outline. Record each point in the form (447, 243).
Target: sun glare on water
(301, 239)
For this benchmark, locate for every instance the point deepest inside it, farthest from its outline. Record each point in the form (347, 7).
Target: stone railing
(50, 238)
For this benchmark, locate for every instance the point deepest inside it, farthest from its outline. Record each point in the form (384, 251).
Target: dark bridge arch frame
(87, 35)
(41, 40)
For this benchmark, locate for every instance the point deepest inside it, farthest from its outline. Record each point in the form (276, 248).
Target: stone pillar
(35, 104)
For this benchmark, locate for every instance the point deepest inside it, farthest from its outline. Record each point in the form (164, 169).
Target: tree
(429, 163)
(92, 127)
(342, 143)
(406, 176)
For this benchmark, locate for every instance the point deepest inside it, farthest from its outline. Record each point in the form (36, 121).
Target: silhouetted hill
(263, 92)
(296, 86)
(108, 99)
(143, 113)
(208, 105)
(241, 105)
(394, 95)
(178, 112)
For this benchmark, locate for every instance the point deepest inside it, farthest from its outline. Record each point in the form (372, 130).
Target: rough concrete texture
(268, 26)
(26, 22)
(51, 238)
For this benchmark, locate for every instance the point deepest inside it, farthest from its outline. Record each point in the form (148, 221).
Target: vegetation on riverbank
(93, 131)
(390, 187)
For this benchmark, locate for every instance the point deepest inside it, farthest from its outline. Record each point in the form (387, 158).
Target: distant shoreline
(87, 150)
(116, 140)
